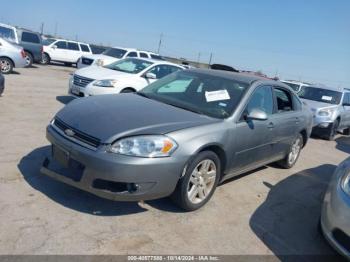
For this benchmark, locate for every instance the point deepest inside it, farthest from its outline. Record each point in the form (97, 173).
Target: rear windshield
(115, 52)
(7, 33)
(320, 95)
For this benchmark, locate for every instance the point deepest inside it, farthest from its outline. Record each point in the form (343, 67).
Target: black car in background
(29, 40)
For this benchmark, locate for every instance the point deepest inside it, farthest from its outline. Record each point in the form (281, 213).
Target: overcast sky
(307, 40)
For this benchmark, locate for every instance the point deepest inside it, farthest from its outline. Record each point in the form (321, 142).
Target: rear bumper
(111, 176)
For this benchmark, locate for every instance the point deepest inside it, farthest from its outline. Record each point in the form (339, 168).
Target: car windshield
(115, 52)
(202, 93)
(295, 87)
(48, 41)
(320, 95)
(7, 33)
(130, 65)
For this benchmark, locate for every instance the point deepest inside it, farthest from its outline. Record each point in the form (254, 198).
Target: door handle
(297, 120)
(270, 125)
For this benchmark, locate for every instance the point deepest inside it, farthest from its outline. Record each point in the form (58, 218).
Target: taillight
(23, 53)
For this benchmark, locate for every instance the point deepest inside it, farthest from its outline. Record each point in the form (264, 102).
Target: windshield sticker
(217, 95)
(327, 98)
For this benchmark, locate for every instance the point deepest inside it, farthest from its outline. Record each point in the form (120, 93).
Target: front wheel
(29, 59)
(332, 130)
(293, 153)
(198, 184)
(6, 65)
(45, 60)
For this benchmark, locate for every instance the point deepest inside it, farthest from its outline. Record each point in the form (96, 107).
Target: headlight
(99, 62)
(345, 183)
(144, 146)
(105, 83)
(326, 112)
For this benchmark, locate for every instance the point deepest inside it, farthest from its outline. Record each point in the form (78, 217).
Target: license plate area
(67, 166)
(61, 156)
(75, 90)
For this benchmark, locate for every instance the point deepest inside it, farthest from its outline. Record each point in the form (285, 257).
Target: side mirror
(256, 114)
(54, 46)
(151, 76)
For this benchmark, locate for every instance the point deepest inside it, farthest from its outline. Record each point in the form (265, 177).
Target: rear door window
(73, 46)
(7, 33)
(84, 48)
(144, 55)
(30, 38)
(284, 101)
(132, 54)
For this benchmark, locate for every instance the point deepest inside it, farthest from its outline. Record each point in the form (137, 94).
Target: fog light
(132, 187)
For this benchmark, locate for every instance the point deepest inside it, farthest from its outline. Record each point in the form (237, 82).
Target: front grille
(342, 239)
(81, 81)
(78, 135)
(87, 61)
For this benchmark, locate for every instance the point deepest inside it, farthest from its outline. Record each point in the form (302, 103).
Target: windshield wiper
(185, 108)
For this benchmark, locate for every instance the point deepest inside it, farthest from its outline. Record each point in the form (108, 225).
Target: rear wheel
(332, 130)
(128, 90)
(29, 59)
(6, 65)
(198, 184)
(293, 154)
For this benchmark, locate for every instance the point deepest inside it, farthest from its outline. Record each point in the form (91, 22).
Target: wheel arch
(9, 58)
(219, 151)
(128, 88)
(304, 135)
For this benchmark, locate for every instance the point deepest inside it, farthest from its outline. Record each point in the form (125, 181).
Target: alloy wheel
(5, 66)
(202, 181)
(295, 151)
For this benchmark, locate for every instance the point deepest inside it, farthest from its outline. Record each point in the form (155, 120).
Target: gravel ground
(269, 211)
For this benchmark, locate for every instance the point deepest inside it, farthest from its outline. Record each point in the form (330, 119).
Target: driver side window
(261, 99)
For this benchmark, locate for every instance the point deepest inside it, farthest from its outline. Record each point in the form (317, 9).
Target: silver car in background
(179, 136)
(330, 107)
(335, 218)
(11, 56)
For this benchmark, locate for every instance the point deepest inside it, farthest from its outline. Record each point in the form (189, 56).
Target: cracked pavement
(269, 211)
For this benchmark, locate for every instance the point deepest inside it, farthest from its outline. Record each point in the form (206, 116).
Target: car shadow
(32, 66)
(65, 99)
(77, 199)
(288, 220)
(68, 196)
(15, 73)
(343, 144)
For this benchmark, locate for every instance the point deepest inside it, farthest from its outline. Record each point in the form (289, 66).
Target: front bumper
(335, 218)
(90, 90)
(111, 176)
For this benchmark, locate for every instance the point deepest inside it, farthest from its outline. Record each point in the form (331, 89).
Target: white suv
(295, 85)
(114, 54)
(65, 51)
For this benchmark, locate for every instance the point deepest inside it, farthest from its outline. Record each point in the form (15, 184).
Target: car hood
(100, 73)
(315, 105)
(105, 58)
(109, 117)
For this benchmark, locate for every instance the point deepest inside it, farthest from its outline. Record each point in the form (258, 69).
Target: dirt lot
(269, 211)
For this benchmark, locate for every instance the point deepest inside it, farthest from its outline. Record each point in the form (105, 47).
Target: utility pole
(160, 43)
(56, 29)
(199, 57)
(42, 28)
(211, 57)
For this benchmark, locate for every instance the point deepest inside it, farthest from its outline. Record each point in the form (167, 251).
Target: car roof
(60, 39)
(155, 61)
(245, 78)
(124, 48)
(7, 26)
(294, 82)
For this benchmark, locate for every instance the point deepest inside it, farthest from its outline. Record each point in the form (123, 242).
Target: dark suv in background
(30, 41)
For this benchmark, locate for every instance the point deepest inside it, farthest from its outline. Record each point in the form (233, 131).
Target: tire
(332, 130)
(202, 186)
(45, 59)
(6, 65)
(68, 64)
(29, 59)
(128, 90)
(346, 132)
(293, 153)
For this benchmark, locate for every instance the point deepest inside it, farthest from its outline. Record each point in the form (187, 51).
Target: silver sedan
(11, 56)
(335, 219)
